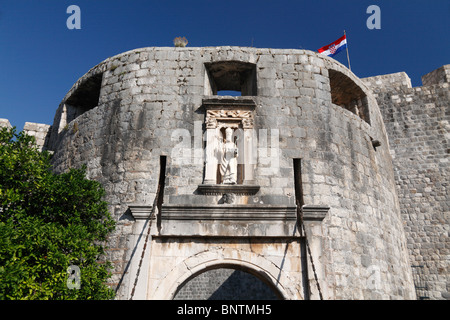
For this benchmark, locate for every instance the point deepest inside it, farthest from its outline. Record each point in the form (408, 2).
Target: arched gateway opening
(226, 283)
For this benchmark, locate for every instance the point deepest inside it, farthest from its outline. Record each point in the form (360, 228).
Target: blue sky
(41, 58)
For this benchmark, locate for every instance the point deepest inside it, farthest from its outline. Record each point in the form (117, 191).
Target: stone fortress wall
(153, 108)
(39, 131)
(418, 121)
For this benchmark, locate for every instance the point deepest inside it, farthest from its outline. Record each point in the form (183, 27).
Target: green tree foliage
(49, 222)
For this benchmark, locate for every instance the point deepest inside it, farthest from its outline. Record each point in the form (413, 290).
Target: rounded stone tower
(227, 180)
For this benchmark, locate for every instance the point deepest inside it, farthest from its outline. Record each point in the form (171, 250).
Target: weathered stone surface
(39, 131)
(151, 104)
(417, 122)
(5, 123)
(438, 76)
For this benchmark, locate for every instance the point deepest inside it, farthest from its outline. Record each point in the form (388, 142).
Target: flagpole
(348, 57)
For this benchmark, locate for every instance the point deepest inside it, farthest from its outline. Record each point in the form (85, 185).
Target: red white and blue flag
(335, 47)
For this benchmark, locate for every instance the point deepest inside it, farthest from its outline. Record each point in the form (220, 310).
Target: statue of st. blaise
(228, 160)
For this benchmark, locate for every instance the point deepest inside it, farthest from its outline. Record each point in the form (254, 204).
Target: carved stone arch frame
(250, 262)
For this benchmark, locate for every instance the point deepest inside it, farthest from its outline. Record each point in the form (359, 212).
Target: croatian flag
(335, 47)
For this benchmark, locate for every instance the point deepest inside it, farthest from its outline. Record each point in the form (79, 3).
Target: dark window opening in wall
(159, 200)
(347, 94)
(84, 98)
(233, 78)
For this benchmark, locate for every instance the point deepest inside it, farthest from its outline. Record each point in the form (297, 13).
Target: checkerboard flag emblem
(335, 47)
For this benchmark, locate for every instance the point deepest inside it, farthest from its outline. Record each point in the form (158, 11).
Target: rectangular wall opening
(348, 95)
(303, 249)
(84, 98)
(159, 199)
(234, 78)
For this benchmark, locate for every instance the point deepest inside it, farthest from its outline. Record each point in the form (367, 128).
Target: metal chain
(150, 219)
(300, 210)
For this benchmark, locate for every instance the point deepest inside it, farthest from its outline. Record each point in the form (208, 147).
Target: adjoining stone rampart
(418, 122)
(5, 123)
(388, 82)
(38, 130)
(438, 76)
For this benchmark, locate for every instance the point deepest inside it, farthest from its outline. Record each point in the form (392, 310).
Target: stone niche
(229, 123)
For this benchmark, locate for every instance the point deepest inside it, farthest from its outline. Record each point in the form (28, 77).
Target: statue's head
(229, 134)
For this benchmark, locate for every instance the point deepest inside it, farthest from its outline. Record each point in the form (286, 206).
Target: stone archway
(227, 282)
(255, 265)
